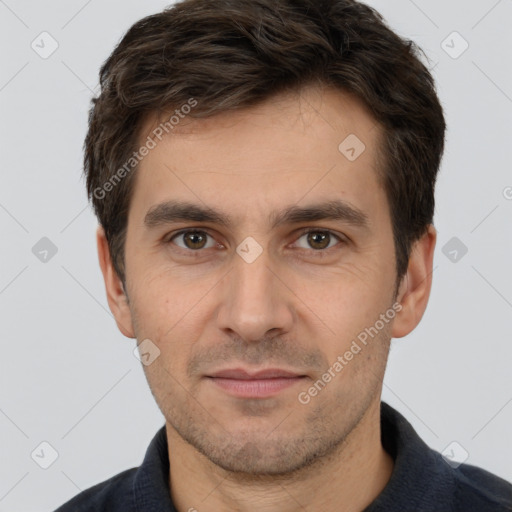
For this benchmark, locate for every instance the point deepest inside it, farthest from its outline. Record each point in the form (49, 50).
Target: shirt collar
(151, 489)
(418, 470)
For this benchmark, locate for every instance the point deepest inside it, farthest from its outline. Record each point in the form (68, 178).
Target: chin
(246, 455)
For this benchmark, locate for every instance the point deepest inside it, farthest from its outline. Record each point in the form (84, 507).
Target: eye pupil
(318, 240)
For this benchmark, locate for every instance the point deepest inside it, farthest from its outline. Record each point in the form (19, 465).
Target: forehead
(311, 146)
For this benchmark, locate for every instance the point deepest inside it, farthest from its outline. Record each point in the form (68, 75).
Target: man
(263, 172)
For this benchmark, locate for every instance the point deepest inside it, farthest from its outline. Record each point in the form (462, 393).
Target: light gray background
(68, 377)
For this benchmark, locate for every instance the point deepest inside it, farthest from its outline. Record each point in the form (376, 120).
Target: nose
(255, 300)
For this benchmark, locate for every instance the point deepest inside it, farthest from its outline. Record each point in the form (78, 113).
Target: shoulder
(477, 489)
(114, 494)
(145, 487)
(425, 481)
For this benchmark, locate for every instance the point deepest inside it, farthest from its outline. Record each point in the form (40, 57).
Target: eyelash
(318, 252)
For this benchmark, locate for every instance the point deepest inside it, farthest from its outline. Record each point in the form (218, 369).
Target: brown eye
(317, 240)
(193, 240)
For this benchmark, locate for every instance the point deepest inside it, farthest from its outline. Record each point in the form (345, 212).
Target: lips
(254, 384)
(241, 374)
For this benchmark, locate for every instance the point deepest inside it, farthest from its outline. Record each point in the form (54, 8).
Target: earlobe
(414, 290)
(116, 297)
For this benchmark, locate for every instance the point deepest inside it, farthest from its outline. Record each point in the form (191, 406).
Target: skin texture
(295, 307)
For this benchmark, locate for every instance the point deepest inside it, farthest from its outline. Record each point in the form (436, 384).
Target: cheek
(171, 314)
(345, 306)
(350, 293)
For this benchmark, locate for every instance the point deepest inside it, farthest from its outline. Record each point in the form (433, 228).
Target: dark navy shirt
(422, 480)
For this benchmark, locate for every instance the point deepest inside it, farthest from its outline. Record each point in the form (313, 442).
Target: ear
(415, 286)
(117, 299)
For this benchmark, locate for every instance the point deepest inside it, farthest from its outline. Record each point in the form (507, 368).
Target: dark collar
(151, 489)
(418, 470)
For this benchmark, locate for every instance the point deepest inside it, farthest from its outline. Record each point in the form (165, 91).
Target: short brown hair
(231, 54)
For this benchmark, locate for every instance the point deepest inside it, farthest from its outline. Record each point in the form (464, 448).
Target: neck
(349, 479)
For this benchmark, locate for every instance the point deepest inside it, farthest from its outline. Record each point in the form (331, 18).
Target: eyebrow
(175, 211)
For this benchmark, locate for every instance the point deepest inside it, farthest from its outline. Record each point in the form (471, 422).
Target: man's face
(249, 312)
